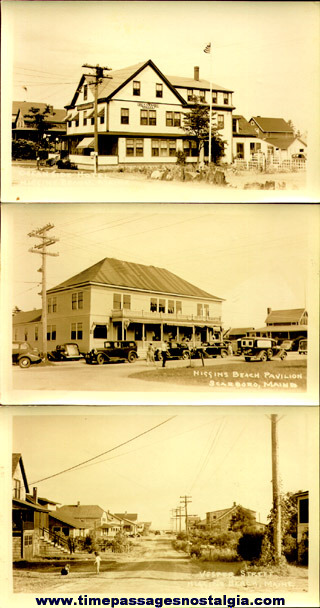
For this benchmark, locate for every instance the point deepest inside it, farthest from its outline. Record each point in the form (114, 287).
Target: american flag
(208, 48)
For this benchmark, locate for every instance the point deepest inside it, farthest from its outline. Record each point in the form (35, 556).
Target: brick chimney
(78, 503)
(35, 494)
(196, 73)
(268, 311)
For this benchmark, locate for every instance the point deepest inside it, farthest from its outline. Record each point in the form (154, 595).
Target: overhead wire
(105, 452)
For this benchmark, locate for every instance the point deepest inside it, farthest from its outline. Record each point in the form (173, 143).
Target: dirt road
(154, 567)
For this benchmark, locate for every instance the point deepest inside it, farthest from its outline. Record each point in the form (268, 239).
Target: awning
(86, 142)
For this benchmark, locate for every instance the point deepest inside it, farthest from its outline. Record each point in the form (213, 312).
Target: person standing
(97, 561)
(164, 353)
(150, 354)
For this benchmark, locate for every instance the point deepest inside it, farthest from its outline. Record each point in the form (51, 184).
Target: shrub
(249, 545)
(24, 149)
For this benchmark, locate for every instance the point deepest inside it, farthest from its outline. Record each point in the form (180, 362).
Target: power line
(106, 452)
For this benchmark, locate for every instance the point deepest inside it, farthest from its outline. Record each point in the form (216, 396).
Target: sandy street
(154, 567)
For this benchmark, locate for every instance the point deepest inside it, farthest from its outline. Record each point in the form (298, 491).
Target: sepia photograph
(160, 101)
(206, 303)
(217, 503)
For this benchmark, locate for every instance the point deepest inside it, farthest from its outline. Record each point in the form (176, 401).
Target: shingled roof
(275, 125)
(285, 316)
(30, 316)
(118, 273)
(244, 127)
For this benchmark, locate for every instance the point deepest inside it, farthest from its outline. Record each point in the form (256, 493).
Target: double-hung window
(77, 300)
(136, 88)
(85, 92)
(51, 332)
(214, 96)
(220, 121)
(148, 117)
(159, 90)
(124, 116)
(76, 331)
(226, 98)
(173, 119)
(134, 147)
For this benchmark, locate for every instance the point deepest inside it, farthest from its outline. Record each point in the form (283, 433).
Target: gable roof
(220, 513)
(17, 460)
(276, 125)
(30, 316)
(81, 512)
(65, 520)
(24, 107)
(285, 316)
(118, 273)
(117, 79)
(244, 127)
(132, 517)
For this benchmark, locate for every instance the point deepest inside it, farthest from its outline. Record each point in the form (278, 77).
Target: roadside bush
(219, 554)
(249, 545)
(24, 149)
(120, 543)
(182, 536)
(180, 545)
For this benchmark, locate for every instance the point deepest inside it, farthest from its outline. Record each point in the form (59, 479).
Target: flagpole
(210, 116)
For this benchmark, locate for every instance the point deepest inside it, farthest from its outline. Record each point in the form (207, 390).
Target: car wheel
(224, 353)
(24, 362)
(185, 354)
(50, 357)
(100, 359)
(283, 356)
(132, 356)
(263, 356)
(158, 357)
(269, 354)
(247, 358)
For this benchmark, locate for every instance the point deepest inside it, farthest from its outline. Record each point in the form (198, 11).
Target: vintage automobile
(175, 350)
(303, 347)
(212, 349)
(66, 352)
(24, 355)
(257, 348)
(120, 350)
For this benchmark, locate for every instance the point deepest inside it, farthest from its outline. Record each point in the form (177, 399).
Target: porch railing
(142, 315)
(54, 537)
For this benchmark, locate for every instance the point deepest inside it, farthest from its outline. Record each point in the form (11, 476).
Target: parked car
(175, 350)
(261, 349)
(213, 349)
(287, 344)
(303, 347)
(24, 355)
(66, 352)
(121, 350)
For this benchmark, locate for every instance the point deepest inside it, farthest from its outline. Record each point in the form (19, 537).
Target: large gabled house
(291, 324)
(23, 126)
(220, 520)
(282, 143)
(119, 300)
(27, 327)
(140, 116)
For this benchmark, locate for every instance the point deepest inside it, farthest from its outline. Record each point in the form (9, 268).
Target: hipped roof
(118, 273)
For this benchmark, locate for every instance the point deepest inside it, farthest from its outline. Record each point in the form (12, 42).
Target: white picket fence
(272, 164)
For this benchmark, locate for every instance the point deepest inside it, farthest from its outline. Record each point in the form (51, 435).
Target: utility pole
(275, 488)
(41, 233)
(99, 75)
(186, 502)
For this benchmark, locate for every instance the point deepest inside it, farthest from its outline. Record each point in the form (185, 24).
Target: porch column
(143, 334)
(207, 334)
(193, 335)
(161, 332)
(122, 330)
(178, 335)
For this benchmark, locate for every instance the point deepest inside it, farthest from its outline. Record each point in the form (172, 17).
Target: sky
(253, 256)
(266, 52)
(217, 456)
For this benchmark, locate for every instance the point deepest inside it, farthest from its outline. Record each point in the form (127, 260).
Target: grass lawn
(276, 374)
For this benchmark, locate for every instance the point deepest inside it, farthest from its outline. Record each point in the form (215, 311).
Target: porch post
(143, 334)
(193, 336)
(122, 330)
(161, 332)
(178, 335)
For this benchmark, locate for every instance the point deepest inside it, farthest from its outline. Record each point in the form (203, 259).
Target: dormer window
(136, 88)
(226, 98)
